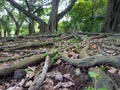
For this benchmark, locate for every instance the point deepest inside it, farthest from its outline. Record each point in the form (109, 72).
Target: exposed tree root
(84, 61)
(15, 58)
(7, 69)
(83, 52)
(103, 81)
(94, 61)
(31, 44)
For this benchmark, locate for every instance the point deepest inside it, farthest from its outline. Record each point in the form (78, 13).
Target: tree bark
(31, 21)
(52, 24)
(112, 20)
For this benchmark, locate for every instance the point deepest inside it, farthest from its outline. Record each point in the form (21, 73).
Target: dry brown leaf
(48, 84)
(58, 62)
(57, 86)
(73, 55)
(15, 88)
(29, 83)
(63, 89)
(112, 70)
(33, 68)
(67, 84)
(58, 76)
(66, 75)
(22, 82)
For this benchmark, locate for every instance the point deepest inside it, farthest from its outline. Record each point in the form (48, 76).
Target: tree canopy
(51, 16)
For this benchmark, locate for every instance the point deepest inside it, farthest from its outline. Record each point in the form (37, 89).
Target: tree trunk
(5, 33)
(112, 20)
(31, 27)
(0, 30)
(52, 24)
(17, 29)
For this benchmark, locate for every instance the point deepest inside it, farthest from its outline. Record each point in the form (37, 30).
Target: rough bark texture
(31, 27)
(7, 69)
(52, 25)
(112, 21)
(94, 61)
(31, 21)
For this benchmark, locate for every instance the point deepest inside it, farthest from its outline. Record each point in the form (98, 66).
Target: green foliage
(93, 75)
(41, 12)
(24, 30)
(65, 26)
(91, 88)
(86, 15)
(102, 89)
(54, 57)
(48, 52)
(73, 40)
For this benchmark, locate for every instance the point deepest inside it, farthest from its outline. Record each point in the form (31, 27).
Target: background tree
(112, 20)
(18, 21)
(53, 19)
(4, 20)
(86, 15)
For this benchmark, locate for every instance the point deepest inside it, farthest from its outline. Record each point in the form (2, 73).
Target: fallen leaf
(21, 83)
(63, 89)
(15, 88)
(58, 62)
(67, 84)
(57, 86)
(112, 70)
(66, 75)
(58, 76)
(32, 68)
(119, 72)
(48, 84)
(29, 83)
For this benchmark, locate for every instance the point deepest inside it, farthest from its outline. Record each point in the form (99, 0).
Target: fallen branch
(38, 81)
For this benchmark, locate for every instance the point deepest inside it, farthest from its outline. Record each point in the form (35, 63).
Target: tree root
(15, 58)
(10, 68)
(31, 44)
(103, 80)
(94, 61)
